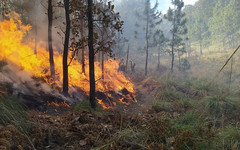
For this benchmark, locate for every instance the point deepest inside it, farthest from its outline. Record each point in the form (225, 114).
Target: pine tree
(160, 41)
(178, 21)
(152, 18)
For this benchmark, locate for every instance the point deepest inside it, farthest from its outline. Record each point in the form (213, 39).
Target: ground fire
(115, 87)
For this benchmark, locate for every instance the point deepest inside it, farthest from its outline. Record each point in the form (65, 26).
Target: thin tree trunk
(201, 47)
(179, 58)
(172, 54)
(91, 55)
(127, 59)
(158, 66)
(99, 58)
(50, 19)
(83, 56)
(173, 37)
(190, 48)
(230, 76)
(36, 40)
(65, 51)
(146, 64)
(36, 33)
(103, 65)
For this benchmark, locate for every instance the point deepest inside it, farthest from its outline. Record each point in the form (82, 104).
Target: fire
(17, 51)
(64, 104)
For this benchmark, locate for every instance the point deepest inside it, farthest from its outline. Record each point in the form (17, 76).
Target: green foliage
(170, 95)
(177, 18)
(184, 65)
(228, 138)
(162, 106)
(84, 105)
(219, 105)
(14, 113)
(214, 21)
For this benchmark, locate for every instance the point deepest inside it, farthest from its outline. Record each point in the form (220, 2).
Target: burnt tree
(50, 20)
(65, 51)
(91, 55)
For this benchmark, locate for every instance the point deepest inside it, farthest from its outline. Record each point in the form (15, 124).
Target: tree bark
(50, 19)
(36, 40)
(36, 33)
(65, 51)
(146, 64)
(158, 66)
(173, 38)
(172, 54)
(103, 65)
(83, 56)
(91, 55)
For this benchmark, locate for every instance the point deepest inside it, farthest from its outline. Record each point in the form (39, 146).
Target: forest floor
(171, 113)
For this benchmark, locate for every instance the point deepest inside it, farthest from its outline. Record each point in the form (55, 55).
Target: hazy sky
(164, 4)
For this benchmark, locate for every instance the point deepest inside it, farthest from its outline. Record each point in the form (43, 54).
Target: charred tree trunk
(91, 55)
(50, 19)
(65, 51)
(36, 26)
(99, 58)
(103, 65)
(36, 40)
(83, 56)
(146, 64)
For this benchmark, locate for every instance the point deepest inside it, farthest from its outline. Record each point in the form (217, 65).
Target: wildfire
(14, 50)
(64, 104)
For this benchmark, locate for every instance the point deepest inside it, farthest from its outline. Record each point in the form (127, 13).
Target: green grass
(12, 112)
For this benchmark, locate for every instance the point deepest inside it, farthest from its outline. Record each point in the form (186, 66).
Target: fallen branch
(216, 76)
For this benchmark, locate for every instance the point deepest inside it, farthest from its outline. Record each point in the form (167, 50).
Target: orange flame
(13, 49)
(64, 104)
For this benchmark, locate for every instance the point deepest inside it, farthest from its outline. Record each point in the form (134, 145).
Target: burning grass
(13, 50)
(181, 126)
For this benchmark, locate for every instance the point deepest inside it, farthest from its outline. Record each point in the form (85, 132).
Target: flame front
(14, 49)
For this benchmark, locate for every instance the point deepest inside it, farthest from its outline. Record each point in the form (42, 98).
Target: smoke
(36, 12)
(32, 91)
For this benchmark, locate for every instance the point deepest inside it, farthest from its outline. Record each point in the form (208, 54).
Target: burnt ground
(61, 127)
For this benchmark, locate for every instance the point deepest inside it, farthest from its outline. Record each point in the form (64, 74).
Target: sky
(164, 4)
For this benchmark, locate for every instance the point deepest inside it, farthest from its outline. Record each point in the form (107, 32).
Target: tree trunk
(83, 56)
(146, 64)
(50, 19)
(91, 55)
(36, 34)
(201, 47)
(179, 59)
(36, 40)
(65, 51)
(173, 38)
(158, 66)
(172, 54)
(99, 58)
(127, 59)
(103, 65)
